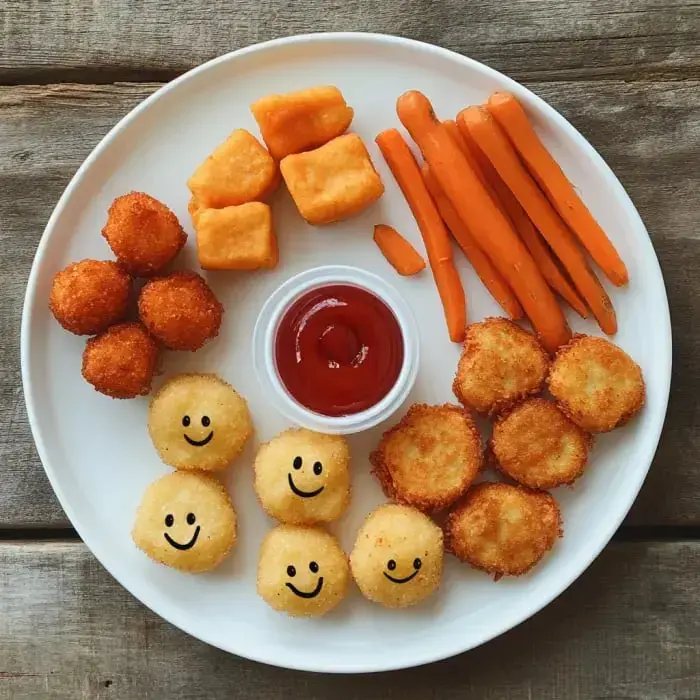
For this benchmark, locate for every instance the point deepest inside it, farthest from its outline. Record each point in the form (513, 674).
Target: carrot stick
(404, 258)
(510, 115)
(435, 236)
(484, 219)
(531, 237)
(489, 275)
(494, 143)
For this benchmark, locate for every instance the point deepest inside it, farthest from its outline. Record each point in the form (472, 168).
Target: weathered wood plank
(648, 131)
(84, 41)
(622, 631)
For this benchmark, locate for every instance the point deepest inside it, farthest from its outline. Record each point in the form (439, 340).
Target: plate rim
(259, 655)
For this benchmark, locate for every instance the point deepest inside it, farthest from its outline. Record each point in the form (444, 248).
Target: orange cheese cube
(239, 170)
(333, 182)
(236, 238)
(299, 121)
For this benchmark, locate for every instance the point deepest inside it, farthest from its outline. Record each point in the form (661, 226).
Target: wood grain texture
(623, 631)
(83, 41)
(649, 132)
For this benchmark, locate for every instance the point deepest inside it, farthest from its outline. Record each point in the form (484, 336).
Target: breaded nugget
(144, 235)
(502, 529)
(302, 571)
(398, 556)
(430, 458)
(121, 361)
(302, 477)
(302, 120)
(333, 182)
(596, 383)
(239, 170)
(538, 446)
(89, 296)
(180, 310)
(500, 364)
(185, 521)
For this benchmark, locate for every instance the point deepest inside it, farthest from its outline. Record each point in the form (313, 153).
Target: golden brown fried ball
(502, 529)
(500, 364)
(89, 296)
(302, 571)
(538, 446)
(180, 310)
(185, 521)
(121, 361)
(144, 235)
(398, 555)
(596, 383)
(430, 458)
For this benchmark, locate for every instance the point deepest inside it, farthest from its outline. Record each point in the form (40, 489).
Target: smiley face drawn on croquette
(185, 520)
(302, 571)
(302, 477)
(198, 421)
(398, 556)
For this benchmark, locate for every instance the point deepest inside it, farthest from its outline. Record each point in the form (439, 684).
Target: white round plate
(97, 453)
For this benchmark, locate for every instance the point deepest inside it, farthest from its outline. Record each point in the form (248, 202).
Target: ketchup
(339, 350)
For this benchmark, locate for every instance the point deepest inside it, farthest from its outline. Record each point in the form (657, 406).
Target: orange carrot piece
(510, 115)
(494, 143)
(489, 275)
(531, 237)
(400, 254)
(435, 236)
(484, 219)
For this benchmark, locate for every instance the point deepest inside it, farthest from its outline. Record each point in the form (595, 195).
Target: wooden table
(626, 73)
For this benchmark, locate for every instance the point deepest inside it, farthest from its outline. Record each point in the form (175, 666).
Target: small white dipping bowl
(265, 333)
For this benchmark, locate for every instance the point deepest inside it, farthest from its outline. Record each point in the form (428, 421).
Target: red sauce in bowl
(339, 350)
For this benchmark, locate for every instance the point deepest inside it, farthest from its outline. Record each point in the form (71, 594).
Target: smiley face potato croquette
(198, 421)
(398, 556)
(302, 571)
(186, 521)
(302, 477)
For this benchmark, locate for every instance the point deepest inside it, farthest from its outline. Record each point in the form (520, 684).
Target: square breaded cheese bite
(239, 170)
(236, 238)
(333, 182)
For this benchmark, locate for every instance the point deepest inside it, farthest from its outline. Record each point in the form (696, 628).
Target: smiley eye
(297, 463)
(169, 520)
(206, 421)
(291, 571)
(186, 421)
(391, 565)
(191, 519)
(314, 567)
(417, 563)
(318, 468)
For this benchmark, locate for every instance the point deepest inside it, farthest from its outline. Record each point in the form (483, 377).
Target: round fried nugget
(89, 296)
(503, 529)
(198, 421)
(180, 310)
(144, 235)
(596, 383)
(186, 521)
(398, 555)
(430, 458)
(302, 477)
(121, 361)
(302, 571)
(538, 446)
(500, 364)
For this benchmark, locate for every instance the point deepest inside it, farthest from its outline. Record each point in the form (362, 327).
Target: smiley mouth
(400, 580)
(303, 594)
(187, 545)
(200, 443)
(299, 492)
